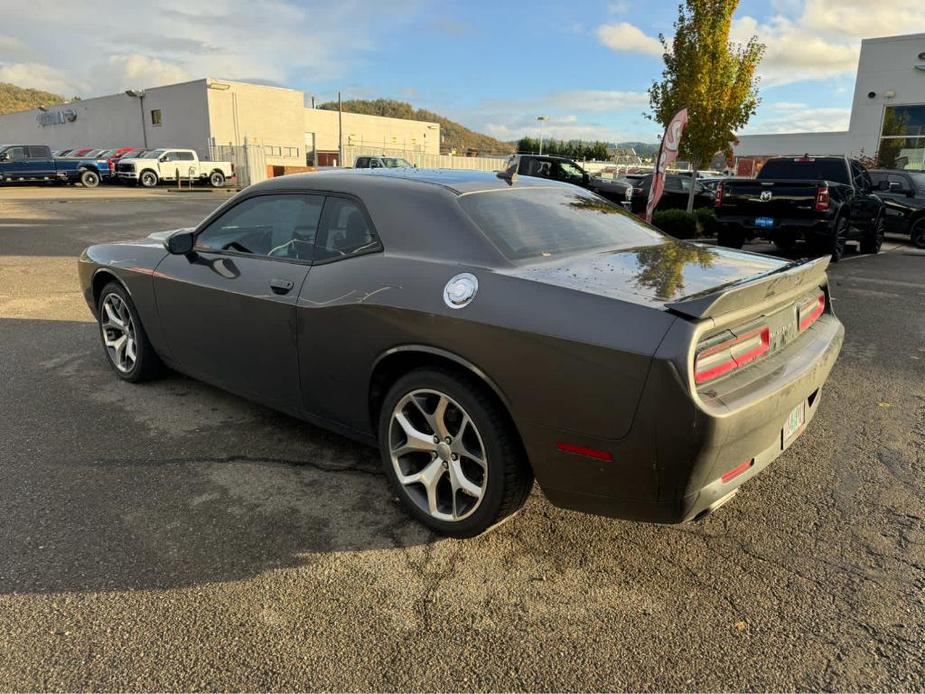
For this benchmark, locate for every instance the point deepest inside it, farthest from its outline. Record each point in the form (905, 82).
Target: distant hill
(643, 149)
(454, 136)
(13, 98)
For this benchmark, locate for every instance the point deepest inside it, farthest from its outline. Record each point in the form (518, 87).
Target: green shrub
(677, 223)
(706, 220)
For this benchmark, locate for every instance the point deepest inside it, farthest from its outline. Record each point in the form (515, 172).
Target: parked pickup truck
(169, 164)
(35, 163)
(824, 201)
(563, 169)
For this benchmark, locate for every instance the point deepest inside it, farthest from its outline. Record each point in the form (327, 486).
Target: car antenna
(509, 174)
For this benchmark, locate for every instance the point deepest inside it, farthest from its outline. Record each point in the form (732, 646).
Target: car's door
(41, 164)
(894, 189)
(865, 205)
(167, 165)
(15, 164)
(227, 310)
(334, 342)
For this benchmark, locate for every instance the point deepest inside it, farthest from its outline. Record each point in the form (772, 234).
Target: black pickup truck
(618, 190)
(825, 201)
(903, 193)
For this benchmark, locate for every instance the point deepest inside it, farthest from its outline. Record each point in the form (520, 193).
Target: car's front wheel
(873, 240)
(148, 179)
(89, 179)
(125, 341)
(450, 453)
(918, 233)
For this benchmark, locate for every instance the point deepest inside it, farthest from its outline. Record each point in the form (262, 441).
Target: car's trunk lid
(691, 279)
(784, 198)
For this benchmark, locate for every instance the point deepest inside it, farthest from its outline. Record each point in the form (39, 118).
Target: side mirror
(180, 243)
(165, 157)
(4, 157)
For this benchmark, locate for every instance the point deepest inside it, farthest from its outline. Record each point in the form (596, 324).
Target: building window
(292, 152)
(155, 116)
(902, 138)
(273, 150)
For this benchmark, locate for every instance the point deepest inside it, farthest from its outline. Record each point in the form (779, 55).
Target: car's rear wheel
(217, 179)
(873, 240)
(89, 179)
(835, 243)
(450, 453)
(918, 233)
(148, 179)
(125, 341)
(730, 237)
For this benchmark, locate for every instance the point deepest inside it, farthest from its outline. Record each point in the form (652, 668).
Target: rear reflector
(582, 450)
(718, 358)
(738, 470)
(809, 311)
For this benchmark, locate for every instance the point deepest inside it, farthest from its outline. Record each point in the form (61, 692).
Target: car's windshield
(547, 223)
(153, 153)
(395, 163)
(806, 169)
(134, 155)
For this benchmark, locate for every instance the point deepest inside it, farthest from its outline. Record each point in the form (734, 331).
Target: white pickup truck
(159, 165)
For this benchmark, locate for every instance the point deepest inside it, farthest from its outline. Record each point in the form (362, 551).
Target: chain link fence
(426, 161)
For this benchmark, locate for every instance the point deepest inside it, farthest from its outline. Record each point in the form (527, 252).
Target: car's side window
(184, 156)
(344, 231)
(16, 153)
(275, 226)
(362, 163)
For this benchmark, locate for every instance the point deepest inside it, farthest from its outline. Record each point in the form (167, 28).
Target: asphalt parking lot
(170, 536)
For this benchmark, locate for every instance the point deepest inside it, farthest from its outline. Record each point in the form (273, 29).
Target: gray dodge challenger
(484, 330)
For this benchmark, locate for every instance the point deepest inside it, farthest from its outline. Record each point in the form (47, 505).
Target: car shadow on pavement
(106, 485)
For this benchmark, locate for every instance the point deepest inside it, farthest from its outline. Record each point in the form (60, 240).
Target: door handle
(280, 286)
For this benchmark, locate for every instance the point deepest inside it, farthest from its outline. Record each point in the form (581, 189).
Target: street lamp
(140, 95)
(541, 119)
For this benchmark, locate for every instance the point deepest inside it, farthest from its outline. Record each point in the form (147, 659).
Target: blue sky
(493, 65)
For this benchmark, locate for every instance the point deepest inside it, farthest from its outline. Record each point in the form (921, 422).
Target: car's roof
(355, 180)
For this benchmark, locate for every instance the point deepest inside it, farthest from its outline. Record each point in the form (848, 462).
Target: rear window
(544, 222)
(833, 170)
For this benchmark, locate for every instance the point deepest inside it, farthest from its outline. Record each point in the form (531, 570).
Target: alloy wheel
(438, 455)
(118, 333)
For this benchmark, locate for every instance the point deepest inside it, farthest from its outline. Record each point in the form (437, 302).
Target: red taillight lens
(738, 470)
(112, 165)
(809, 311)
(720, 191)
(822, 199)
(720, 355)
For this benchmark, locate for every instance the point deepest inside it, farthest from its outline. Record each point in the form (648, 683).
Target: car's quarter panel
(566, 361)
(225, 324)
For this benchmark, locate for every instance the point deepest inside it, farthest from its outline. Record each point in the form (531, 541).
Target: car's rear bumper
(806, 226)
(670, 468)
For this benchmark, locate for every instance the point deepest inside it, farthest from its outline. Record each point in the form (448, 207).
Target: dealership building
(209, 113)
(887, 114)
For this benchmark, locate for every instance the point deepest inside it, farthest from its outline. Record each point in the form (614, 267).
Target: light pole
(541, 119)
(140, 95)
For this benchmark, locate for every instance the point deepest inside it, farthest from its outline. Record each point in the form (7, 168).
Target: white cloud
(624, 37)
(275, 40)
(821, 38)
(793, 120)
(599, 100)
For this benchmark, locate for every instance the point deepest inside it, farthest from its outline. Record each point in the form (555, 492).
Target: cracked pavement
(174, 537)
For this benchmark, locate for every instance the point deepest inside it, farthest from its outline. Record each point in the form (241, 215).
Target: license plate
(764, 222)
(795, 421)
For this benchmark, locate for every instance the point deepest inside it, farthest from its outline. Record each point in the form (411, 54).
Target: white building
(887, 115)
(208, 112)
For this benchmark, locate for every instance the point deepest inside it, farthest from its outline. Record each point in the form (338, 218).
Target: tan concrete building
(211, 112)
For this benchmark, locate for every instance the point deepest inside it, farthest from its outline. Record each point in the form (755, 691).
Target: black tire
(147, 179)
(730, 237)
(216, 179)
(147, 364)
(873, 239)
(835, 243)
(918, 233)
(89, 179)
(509, 476)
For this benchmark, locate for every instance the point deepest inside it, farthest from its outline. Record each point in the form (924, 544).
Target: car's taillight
(720, 190)
(721, 354)
(112, 165)
(809, 311)
(822, 199)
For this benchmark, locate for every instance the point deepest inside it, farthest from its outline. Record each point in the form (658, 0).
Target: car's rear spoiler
(742, 295)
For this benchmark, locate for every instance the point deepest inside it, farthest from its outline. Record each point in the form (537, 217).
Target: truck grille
(125, 166)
